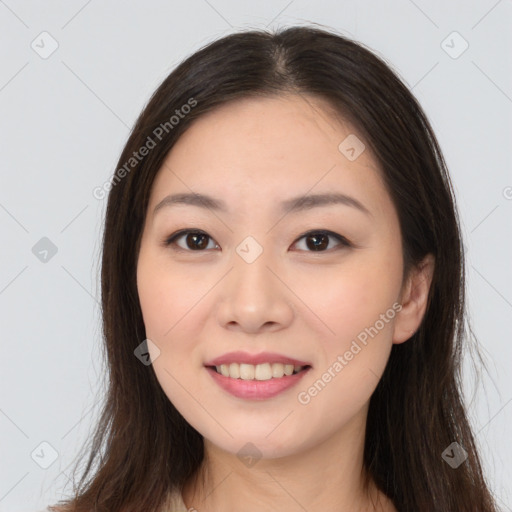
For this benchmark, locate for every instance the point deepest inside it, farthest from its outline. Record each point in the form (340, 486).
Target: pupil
(197, 241)
(193, 238)
(318, 244)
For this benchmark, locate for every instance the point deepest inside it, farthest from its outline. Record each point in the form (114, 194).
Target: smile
(264, 371)
(252, 388)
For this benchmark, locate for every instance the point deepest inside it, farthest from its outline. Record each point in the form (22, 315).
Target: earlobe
(414, 300)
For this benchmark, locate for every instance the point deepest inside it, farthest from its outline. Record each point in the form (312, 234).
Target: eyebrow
(295, 204)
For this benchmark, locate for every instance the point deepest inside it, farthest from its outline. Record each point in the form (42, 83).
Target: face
(270, 276)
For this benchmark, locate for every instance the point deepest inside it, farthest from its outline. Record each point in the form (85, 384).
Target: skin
(306, 304)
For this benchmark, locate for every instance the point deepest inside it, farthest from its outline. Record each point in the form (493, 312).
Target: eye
(319, 241)
(195, 240)
(315, 241)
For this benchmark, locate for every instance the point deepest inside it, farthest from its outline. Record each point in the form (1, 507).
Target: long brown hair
(142, 447)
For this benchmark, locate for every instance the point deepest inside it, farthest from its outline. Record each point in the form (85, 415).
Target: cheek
(165, 294)
(351, 297)
(356, 304)
(169, 300)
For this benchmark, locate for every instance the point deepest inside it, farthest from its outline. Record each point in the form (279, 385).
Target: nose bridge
(250, 272)
(252, 296)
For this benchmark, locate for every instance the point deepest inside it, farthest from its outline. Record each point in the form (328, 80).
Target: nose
(253, 297)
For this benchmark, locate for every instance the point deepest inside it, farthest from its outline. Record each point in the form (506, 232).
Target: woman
(283, 293)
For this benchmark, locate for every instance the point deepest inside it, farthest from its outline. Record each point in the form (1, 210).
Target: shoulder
(173, 502)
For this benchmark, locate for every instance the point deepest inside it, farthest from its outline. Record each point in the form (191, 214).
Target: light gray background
(65, 118)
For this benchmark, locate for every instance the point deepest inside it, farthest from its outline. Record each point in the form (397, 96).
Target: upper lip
(262, 357)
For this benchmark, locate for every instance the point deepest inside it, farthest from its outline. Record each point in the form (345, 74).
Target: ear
(414, 299)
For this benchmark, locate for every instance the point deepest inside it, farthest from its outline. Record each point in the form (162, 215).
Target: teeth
(234, 371)
(247, 372)
(265, 371)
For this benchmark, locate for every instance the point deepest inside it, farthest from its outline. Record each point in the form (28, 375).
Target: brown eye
(199, 241)
(318, 241)
(194, 240)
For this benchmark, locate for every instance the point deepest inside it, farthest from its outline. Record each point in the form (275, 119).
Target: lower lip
(256, 389)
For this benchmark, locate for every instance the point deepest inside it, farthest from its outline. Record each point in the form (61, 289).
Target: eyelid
(170, 240)
(342, 241)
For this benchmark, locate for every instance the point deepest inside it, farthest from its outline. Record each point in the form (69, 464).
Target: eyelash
(171, 240)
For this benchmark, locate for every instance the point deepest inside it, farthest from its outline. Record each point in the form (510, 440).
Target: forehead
(260, 150)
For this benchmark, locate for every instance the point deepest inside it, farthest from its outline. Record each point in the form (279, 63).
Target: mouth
(258, 372)
(261, 381)
(258, 376)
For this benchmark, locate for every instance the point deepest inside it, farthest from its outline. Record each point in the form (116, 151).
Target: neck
(329, 476)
